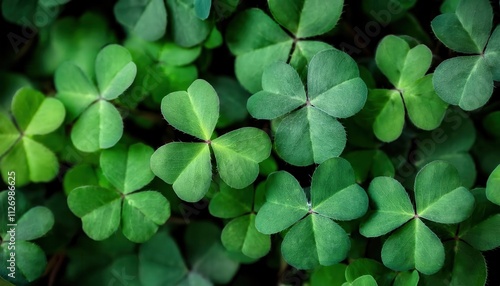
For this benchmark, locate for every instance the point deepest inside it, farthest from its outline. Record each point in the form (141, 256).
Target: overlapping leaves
(103, 210)
(439, 198)
(309, 131)
(467, 81)
(188, 165)
(258, 41)
(314, 239)
(20, 152)
(406, 69)
(99, 124)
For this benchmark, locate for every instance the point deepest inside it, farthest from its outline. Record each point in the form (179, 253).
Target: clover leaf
(371, 163)
(467, 81)
(34, 115)
(439, 197)
(240, 234)
(309, 132)
(187, 165)
(314, 238)
(493, 186)
(147, 19)
(138, 213)
(258, 41)
(99, 125)
(365, 280)
(29, 257)
(405, 68)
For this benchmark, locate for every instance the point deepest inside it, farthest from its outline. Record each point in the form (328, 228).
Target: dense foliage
(232, 142)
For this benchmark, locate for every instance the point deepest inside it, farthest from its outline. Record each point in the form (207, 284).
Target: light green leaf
(392, 207)
(439, 195)
(365, 280)
(32, 162)
(334, 192)
(257, 41)
(185, 165)
(114, 71)
(128, 169)
(388, 112)
(8, 134)
(468, 29)
(493, 186)
(185, 27)
(74, 89)
(314, 241)
(195, 111)
(35, 114)
(230, 203)
(414, 246)
(142, 214)
(425, 109)
(161, 262)
(307, 18)
(309, 136)
(282, 92)
(241, 235)
(238, 154)
(304, 52)
(464, 81)
(400, 64)
(79, 176)
(98, 208)
(334, 85)
(145, 18)
(492, 53)
(174, 55)
(285, 204)
(34, 224)
(99, 127)
(407, 278)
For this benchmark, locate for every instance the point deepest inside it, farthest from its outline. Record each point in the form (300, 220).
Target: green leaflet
(241, 235)
(186, 29)
(365, 280)
(464, 81)
(493, 186)
(187, 165)
(421, 249)
(370, 163)
(8, 134)
(202, 8)
(257, 41)
(306, 18)
(35, 223)
(467, 29)
(147, 19)
(127, 169)
(492, 53)
(326, 243)
(386, 108)
(329, 275)
(231, 203)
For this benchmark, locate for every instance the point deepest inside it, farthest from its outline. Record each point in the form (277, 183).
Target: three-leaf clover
(103, 210)
(405, 68)
(309, 131)
(30, 260)
(314, 238)
(467, 81)
(34, 114)
(240, 234)
(439, 197)
(258, 41)
(99, 125)
(188, 165)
